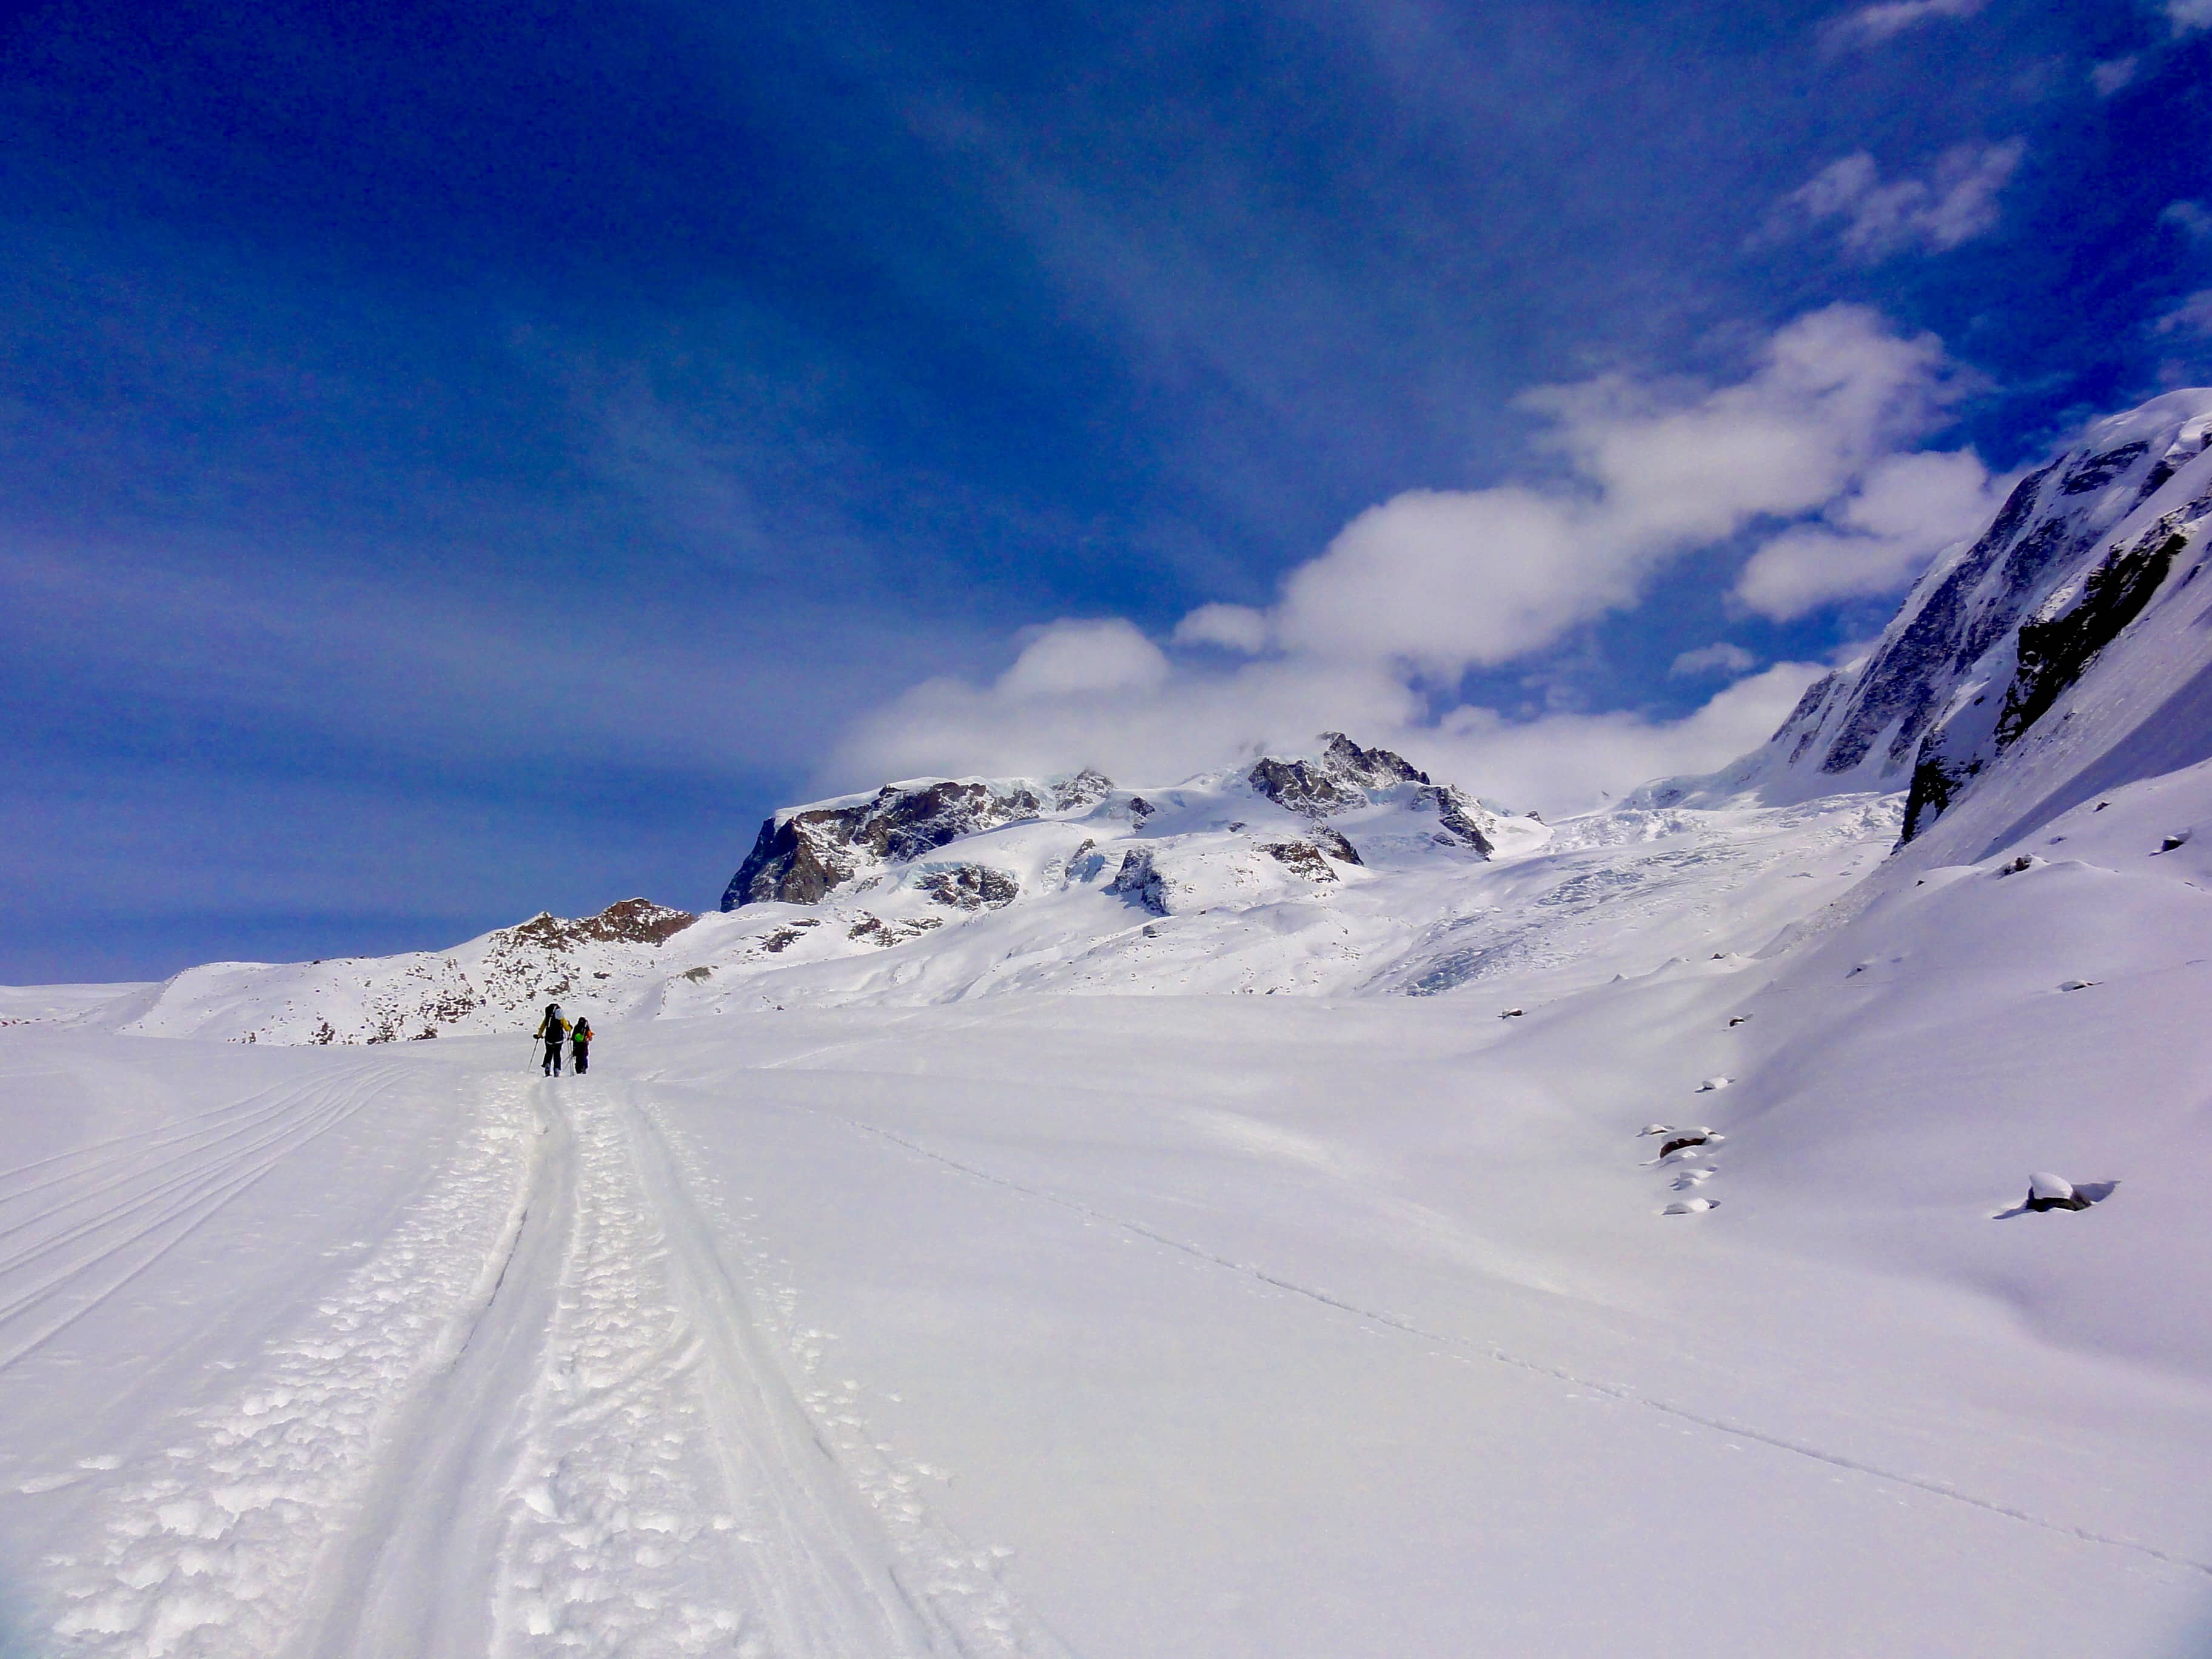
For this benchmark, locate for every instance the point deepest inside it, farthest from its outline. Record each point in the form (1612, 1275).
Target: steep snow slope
(1992, 644)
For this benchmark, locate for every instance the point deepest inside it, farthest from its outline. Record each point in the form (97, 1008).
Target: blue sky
(465, 460)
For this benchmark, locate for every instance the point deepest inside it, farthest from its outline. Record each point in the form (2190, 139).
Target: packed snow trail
(539, 1418)
(938, 1332)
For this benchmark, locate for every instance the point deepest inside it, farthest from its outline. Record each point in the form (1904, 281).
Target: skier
(552, 1029)
(579, 1046)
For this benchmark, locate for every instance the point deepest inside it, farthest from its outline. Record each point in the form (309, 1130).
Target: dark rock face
(799, 859)
(1085, 787)
(1332, 842)
(2100, 469)
(2054, 650)
(969, 886)
(1140, 883)
(1300, 858)
(1302, 786)
(1337, 782)
(1455, 817)
(874, 930)
(630, 922)
(1377, 768)
(791, 862)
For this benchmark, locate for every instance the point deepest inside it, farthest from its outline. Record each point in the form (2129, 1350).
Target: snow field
(1177, 1324)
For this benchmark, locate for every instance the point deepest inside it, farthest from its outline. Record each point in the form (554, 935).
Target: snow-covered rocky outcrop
(1995, 641)
(490, 984)
(805, 854)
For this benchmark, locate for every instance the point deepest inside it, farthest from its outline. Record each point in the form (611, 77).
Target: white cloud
(1449, 580)
(1553, 762)
(1161, 730)
(1876, 539)
(1414, 591)
(1075, 658)
(1232, 627)
(1720, 658)
(1870, 25)
(1562, 763)
(1956, 202)
(2190, 15)
(2193, 219)
(2109, 76)
(2191, 316)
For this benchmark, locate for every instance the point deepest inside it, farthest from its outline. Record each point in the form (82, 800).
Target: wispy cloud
(2188, 14)
(2192, 219)
(1874, 540)
(2114, 73)
(1871, 25)
(1720, 658)
(1955, 203)
(2193, 315)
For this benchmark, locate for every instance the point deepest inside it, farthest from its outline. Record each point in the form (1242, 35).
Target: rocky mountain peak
(626, 921)
(1336, 780)
(803, 854)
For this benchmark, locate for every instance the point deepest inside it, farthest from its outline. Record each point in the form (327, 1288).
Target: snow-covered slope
(1344, 872)
(2077, 598)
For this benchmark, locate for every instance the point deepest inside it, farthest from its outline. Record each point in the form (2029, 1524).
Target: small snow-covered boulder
(1713, 1082)
(2046, 1191)
(1657, 1129)
(1691, 1206)
(1681, 1143)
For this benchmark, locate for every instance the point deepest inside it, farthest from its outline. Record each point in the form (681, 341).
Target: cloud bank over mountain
(1814, 443)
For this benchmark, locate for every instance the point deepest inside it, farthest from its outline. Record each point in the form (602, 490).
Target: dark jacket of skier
(579, 1045)
(552, 1029)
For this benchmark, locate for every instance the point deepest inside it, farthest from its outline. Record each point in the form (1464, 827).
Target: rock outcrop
(802, 855)
(969, 886)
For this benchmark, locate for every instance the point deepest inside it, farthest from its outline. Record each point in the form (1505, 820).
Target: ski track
(210, 1547)
(102, 1215)
(543, 1418)
(1460, 1348)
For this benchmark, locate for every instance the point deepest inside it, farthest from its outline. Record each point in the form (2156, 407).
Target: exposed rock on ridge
(806, 855)
(1998, 632)
(803, 854)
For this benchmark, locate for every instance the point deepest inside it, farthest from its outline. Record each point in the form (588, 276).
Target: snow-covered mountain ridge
(1346, 871)
(1994, 642)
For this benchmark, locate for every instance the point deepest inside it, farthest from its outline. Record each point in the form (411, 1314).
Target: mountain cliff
(1991, 643)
